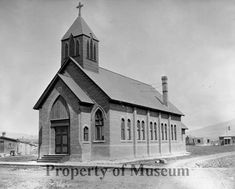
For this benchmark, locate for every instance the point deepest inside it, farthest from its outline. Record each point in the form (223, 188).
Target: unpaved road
(206, 178)
(199, 178)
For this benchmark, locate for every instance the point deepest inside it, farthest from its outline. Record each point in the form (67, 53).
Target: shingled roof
(125, 89)
(117, 87)
(79, 27)
(70, 83)
(79, 93)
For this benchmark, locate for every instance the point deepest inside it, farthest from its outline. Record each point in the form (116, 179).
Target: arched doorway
(60, 122)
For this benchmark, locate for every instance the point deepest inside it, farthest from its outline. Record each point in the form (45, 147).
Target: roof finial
(80, 5)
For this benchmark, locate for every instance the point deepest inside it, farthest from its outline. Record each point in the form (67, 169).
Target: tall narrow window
(123, 129)
(151, 130)
(162, 131)
(94, 52)
(66, 50)
(165, 131)
(77, 48)
(155, 131)
(129, 129)
(99, 123)
(85, 134)
(71, 46)
(138, 130)
(175, 132)
(143, 130)
(87, 49)
(172, 133)
(91, 49)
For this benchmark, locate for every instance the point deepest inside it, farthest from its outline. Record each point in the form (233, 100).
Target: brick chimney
(3, 134)
(164, 90)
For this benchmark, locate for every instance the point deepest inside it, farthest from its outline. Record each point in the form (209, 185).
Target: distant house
(228, 138)
(198, 141)
(8, 145)
(11, 146)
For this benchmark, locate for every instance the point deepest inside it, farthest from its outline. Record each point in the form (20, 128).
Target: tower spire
(79, 7)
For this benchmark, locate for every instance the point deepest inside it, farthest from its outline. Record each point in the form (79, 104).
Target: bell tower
(80, 43)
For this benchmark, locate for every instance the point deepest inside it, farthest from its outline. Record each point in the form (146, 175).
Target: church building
(90, 113)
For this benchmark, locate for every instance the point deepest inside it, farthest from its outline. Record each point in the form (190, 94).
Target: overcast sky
(190, 41)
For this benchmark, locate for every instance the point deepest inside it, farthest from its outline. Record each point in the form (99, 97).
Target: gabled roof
(125, 89)
(79, 27)
(118, 88)
(78, 92)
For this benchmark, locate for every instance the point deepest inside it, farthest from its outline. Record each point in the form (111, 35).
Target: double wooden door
(61, 140)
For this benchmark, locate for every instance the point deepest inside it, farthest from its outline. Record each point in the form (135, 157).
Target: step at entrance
(54, 158)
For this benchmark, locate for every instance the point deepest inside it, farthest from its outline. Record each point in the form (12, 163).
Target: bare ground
(213, 170)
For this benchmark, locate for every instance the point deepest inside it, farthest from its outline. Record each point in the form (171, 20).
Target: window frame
(123, 134)
(86, 134)
(99, 134)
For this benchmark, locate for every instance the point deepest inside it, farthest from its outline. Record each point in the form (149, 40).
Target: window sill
(141, 141)
(86, 142)
(99, 141)
(153, 141)
(126, 141)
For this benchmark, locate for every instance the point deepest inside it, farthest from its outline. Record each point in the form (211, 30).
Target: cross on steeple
(80, 5)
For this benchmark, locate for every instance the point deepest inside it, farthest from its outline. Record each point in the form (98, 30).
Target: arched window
(143, 130)
(129, 129)
(99, 123)
(151, 130)
(175, 132)
(162, 131)
(94, 52)
(123, 129)
(138, 129)
(91, 49)
(172, 133)
(165, 131)
(66, 50)
(59, 110)
(155, 130)
(87, 49)
(71, 46)
(77, 48)
(85, 133)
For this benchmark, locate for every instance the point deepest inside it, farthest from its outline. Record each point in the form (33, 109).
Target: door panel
(61, 140)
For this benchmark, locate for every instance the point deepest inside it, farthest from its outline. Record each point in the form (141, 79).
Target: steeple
(81, 43)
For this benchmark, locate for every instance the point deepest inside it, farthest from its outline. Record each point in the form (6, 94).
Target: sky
(190, 41)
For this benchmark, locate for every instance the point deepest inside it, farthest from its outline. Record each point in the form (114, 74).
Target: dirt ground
(213, 170)
(12, 177)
